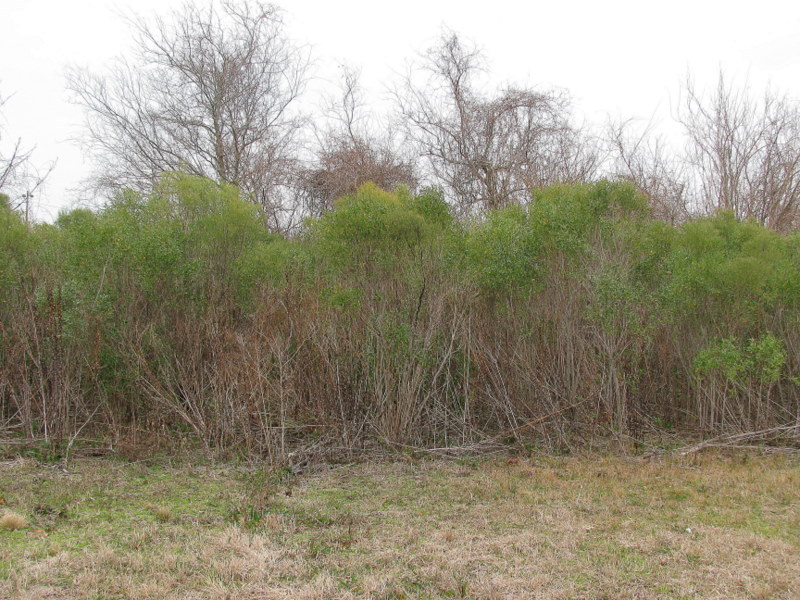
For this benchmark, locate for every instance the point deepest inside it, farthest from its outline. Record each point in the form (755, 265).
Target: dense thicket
(389, 322)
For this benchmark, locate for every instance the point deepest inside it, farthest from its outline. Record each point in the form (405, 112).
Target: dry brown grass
(551, 528)
(12, 521)
(163, 514)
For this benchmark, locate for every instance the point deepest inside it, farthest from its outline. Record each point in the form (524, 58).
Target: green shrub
(372, 226)
(760, 360)
(15, 244)
(503, 251)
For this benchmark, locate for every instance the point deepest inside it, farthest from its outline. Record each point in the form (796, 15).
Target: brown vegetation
(12, 521)
(702, 527)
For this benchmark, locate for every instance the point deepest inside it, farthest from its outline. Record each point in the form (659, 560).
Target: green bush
(510, 248)
(387, 315)
(503, 252)
(730, 273)
(373, 227)
(15, 244)
(760, 360)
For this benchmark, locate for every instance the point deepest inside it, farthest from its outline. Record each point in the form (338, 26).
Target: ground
(706, 526)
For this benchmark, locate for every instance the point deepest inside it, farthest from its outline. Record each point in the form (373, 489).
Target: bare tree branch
(488, 151)
(19, 176)
(350, 153)
(745, 154)
(644, 159)
(211, 93)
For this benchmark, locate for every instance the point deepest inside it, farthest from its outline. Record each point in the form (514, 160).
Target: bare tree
(645, 160)
(12, 163)
(20, 178)
(351, 153)
(745, 154)
(211, 92)
(488, 151)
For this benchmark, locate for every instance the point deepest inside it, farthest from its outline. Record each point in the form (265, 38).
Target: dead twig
(737, 440)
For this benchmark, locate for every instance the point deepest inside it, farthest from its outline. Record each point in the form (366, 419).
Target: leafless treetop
(211, 92)
(488, 151)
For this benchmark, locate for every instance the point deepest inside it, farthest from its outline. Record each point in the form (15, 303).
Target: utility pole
(27, 197)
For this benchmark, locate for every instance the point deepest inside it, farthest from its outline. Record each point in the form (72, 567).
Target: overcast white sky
(618, 58)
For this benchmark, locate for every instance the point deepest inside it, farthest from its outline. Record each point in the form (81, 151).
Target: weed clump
(12, 521)
(163, 514)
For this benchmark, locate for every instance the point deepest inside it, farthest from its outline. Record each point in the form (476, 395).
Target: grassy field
(708, 526)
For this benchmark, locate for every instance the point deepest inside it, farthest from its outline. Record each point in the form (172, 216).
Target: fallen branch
(538, 421)
(737, 440)
(489, 444)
